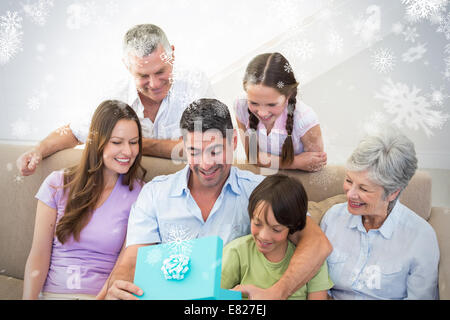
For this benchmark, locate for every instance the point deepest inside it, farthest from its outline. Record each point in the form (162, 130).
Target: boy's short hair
(286, 196)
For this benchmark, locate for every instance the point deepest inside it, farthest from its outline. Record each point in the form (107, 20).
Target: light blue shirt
(165, 210)
(397, 261)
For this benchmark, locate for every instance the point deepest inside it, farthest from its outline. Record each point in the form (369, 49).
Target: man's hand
(123, 290)
(28, 162)
(54, 142)
(256, 293)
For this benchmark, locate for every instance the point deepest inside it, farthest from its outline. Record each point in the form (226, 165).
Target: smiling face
(122, 148)
(365, 197)
(266, 103)
(210, 157)
(151, 74)
(269, 235)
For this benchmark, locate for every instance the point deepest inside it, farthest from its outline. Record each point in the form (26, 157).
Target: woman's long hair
(274, 71)
(84, 182)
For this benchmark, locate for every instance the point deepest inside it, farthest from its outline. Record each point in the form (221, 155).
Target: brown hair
(84, 182)
(274, 71)
(286, 196)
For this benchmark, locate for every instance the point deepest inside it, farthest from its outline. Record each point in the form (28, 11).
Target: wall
(359, 62)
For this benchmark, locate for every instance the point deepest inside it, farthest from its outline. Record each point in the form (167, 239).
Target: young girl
(277, 208)
(82, 212)
(288, 134)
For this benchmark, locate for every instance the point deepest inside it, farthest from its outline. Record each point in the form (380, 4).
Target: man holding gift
(208, 197)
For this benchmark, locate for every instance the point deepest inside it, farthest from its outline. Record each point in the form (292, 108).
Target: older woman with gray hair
(381, 248)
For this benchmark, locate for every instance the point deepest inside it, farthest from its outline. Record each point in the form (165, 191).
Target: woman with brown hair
(82, 212)
(277, 130)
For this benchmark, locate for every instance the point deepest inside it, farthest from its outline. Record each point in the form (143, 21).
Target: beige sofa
(18, 205)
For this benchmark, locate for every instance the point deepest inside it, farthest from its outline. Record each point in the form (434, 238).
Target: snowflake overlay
(20, 128)
(437, 96)
(82, 14)
(368, 28)
(410, 34)
(444, 26)
(177, 238)
(18, 178)
(287, 67)
(414, 53)
(34, 103)
(423, 9)
(10, 36)
(38, 12)
(409, 108)
(383, 60)
(63, 130)
(335, 43)
(154, 256)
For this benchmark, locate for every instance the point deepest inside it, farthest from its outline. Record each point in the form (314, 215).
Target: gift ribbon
(175, 266)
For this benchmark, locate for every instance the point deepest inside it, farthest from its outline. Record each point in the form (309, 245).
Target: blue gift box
(201, 281)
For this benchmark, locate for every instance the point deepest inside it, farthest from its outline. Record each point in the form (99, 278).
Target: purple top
(84, 266)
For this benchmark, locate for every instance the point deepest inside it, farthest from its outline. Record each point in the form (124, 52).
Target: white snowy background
(359, 62)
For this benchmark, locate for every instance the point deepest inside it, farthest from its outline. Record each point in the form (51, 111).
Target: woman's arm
(423, 276)
(307, 161)
(312, 159)
(38, 261)
(312, 140)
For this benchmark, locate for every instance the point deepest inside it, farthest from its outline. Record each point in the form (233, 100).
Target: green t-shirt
(242, 263)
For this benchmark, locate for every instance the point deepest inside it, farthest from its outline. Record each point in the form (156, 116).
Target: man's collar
(181, 183)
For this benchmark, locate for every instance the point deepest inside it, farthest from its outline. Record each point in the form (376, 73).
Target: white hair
(389, 158)
(143, 39)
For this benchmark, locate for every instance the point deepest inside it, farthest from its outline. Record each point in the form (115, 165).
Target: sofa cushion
(318, 209)
(440, 221)
(10, 288)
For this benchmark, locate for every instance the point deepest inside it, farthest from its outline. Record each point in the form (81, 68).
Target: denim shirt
(397, 261)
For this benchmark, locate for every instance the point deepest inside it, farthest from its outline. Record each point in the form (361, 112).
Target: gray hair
(206, 114)
(143, 39)
(390, 159)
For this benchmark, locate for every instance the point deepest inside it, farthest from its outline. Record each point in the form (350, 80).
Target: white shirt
(188, 85)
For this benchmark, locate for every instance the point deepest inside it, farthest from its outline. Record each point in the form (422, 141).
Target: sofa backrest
(18, 205)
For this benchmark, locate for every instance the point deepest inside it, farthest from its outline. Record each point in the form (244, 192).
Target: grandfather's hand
(256, 293)
(28, 162)
(123, 290)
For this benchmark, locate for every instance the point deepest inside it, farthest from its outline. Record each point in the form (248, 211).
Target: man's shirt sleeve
(143, 225)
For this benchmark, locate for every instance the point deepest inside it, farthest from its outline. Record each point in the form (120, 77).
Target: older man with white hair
(158, 90)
